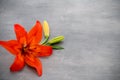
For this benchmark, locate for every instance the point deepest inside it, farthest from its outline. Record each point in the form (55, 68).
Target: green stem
(45, 40)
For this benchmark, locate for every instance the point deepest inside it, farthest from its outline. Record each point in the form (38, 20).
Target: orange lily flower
(27, 48)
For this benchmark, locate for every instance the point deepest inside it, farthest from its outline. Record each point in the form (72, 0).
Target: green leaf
(57, 47)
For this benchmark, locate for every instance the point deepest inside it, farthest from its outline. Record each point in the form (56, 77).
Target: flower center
(27, 49)
(24, 49)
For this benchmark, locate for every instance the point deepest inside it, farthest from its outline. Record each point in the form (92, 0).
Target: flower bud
(46, 28)
(56, 40)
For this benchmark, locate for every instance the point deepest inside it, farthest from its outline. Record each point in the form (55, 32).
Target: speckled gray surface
(92, 38)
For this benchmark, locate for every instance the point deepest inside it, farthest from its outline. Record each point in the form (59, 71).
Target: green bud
(56, 40)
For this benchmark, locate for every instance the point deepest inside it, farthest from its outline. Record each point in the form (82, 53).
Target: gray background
(92, 38)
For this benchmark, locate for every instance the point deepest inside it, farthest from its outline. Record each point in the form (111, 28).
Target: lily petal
(18, 63)
(35, 63)
(21, 33)
(12, 46)
(43, 51)
(35, 34)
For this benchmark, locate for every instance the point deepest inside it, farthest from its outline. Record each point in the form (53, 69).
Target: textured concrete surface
(92, 38)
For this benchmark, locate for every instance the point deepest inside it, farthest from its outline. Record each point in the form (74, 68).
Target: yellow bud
(46, 28)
